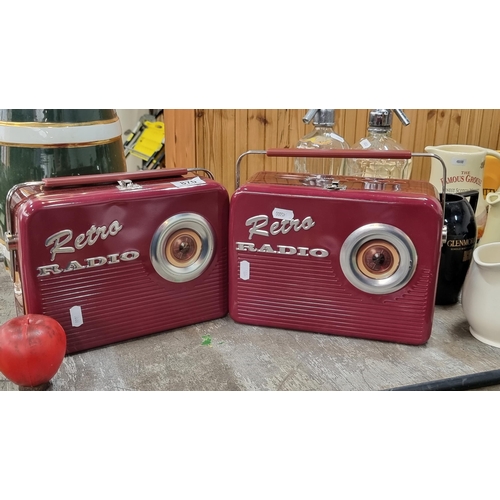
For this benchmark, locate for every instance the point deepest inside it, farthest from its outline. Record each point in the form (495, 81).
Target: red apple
(32, 349)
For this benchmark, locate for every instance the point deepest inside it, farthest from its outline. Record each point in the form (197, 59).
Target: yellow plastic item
(491, 176)
(150, 141)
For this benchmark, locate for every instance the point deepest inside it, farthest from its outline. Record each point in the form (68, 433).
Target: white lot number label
(459, 161)
(75, 313)
(245, 270)
(283, 214)
(196, 181)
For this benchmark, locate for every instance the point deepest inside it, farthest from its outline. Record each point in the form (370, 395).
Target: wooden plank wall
(214, 138)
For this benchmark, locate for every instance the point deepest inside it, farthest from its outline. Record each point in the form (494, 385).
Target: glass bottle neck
(380, 131)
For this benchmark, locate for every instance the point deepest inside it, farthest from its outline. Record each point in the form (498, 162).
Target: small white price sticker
(365, 143)
(196, 181)
(245, 270)
(76, 316)
(458, 161)
(283, 214)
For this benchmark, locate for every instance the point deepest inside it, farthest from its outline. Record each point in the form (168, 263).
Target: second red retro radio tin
(340, 255)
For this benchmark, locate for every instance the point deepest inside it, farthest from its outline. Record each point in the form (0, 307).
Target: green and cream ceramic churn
(40, 143)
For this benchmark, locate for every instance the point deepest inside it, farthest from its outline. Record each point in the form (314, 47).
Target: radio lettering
(91, 262)
(282, 250)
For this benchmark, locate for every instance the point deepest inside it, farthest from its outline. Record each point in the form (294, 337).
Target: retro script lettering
(62, 242)
(258, 224)
(57, 240)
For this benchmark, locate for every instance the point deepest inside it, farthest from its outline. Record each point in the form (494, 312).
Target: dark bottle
(456, 253)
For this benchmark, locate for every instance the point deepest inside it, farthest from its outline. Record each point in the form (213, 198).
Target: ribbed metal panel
(306, 294)
(123, 302)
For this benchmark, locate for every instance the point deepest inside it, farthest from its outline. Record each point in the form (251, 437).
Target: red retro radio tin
(112, 257)
(349, 256)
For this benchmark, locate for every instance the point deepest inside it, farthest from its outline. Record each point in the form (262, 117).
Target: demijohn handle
(473, 196)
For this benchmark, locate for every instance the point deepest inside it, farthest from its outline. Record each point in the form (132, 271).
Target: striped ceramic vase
(38, 143)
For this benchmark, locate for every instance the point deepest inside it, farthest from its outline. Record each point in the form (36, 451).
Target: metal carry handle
(82, 180)
(9, 237)
(339, 153)
(347, 153)
(325, 153)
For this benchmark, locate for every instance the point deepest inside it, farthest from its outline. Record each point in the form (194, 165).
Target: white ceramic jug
(492, 230)
(465, 171)
(481, 294)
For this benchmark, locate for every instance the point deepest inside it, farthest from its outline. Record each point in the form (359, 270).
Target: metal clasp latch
(127, 184)
(10, 241)
(335, 186)
(325, 182)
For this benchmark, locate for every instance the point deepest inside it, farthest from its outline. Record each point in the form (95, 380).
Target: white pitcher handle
(492, 152)
(492, 198)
